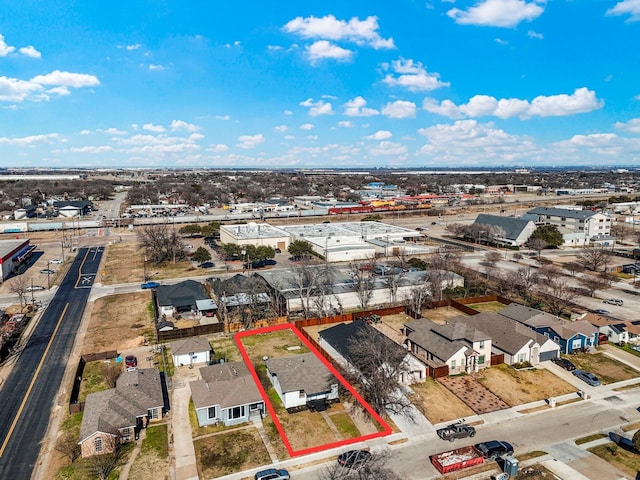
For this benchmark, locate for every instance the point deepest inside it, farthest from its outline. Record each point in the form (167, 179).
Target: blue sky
(319, 84)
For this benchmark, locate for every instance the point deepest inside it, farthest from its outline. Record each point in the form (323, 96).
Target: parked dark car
(456, 430)
(272, 474)
(147, 285)
(564, 363)
(587, 377)
(494, 449)
(354, 458)
(602, 311)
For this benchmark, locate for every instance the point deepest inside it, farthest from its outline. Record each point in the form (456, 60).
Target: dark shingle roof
(180, 294)
(301, 372)
(423, 335)
(513, 227)
(562, 212)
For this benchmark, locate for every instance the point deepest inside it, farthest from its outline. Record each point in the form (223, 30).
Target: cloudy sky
(350, 84)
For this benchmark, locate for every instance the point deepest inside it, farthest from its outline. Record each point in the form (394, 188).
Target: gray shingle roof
(181, 294)
(506, 334)
(184, 346)
(460, 331)
(301, 372)
(562, 212)
(227, 385)
(529, 316)
(513, 227)
(423, 335)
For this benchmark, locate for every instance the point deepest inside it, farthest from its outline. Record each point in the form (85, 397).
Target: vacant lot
(437, 403)
(516, 387)
(442, 314)
(605, 368)
(487, 306)
(230, 452)
(281, 343)
(119, 322)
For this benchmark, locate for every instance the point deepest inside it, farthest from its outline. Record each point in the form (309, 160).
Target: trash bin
(510, 466)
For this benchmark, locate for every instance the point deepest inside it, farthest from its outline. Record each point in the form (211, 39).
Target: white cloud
(274, 48)
(399, 109)
(234, 44)
(357, 108)
(281, 128)
(85, 132)
(182, 125)
(537, 35)
(498, 13)
(92, 149)
(250, 141)
(361, 32)
(30, 140)
(289, 137)
(637, 97)
(632, 126)
(66, 79)
(135, 46)
(112, 131)
(220, 147)
(61, 91)
(16, 90)
(501, 41)
(345, 124)
(307, 126)
(582, 100)
(156, 68)
(324, 49)
(159, 144)
(153, 128)
(318, 108)
(379, 135)
(30, 51)
(626, 7)
(223, 117)
(413, 76)
(388, 148)
(4, 48)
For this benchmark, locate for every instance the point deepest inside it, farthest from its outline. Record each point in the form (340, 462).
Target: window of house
(211, 412)
(153, 413)
(236, 412)
(453, 364)
(481, 345)
(521, 357)
(546, 334)
(126, 434)
(481, 360)
(556, 339)
(97, 445)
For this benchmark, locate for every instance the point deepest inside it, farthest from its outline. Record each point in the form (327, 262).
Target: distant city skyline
(442, 83)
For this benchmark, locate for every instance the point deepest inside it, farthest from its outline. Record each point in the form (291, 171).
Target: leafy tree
(211, 230)
(201, 255)
(231, 250)
(300, 249)
(191, 229)
(549, 233)
(372, 218)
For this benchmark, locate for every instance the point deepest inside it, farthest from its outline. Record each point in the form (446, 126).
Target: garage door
(548, 355)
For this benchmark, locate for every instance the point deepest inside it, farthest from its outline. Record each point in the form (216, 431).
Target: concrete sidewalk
(184, 452)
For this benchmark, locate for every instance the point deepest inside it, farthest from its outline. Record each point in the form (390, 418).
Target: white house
(190, 351)
(302, 380)
(579, 227)
(516, 230)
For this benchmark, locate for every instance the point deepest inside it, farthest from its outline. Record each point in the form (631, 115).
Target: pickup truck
(456, 430)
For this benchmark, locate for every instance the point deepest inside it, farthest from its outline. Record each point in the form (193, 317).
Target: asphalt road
(28, 394)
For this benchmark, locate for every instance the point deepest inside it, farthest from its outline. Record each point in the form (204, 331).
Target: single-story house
(340, 340)
(615, 331)
(462, 348)
(186, 296)
(190, 351)
(117, 415)
(570, 335)
(516, 230)
(515, 341)
(302, 380)
(226, 393)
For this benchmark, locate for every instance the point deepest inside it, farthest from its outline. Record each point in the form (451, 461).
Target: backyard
(442, 314)
(607, 369)
(437, 403)
(487, 306)
(516, 387)
(280, 343)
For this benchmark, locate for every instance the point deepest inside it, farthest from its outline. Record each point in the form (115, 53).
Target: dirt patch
(475, 395)
(397, 321)
(149, 466)
(534, 472)
(119, 322)
(516, 387)
(438, 403)
(607, 369)
(281, 343)
(487, 306)
(442, 314)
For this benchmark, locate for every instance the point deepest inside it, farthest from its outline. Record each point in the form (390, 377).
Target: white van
(614, 301)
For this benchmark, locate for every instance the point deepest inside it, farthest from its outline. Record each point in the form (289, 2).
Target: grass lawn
(487, 306)
(281, 343)
(590, 438)
(225, 348)
(607, 369)
(274, 437)
(93, 379)
(230, 452)
(516, 387)
(622, 459)
(437, 403)
(344, 424)
(397, 321)
(442, 314)
(81, 468)
(152, 462)
(306, 429)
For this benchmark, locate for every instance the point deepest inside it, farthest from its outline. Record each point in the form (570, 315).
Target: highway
(28, 394)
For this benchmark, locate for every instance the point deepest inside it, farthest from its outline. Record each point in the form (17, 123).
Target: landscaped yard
(620, 458)
(487, 306)
(119, 322)
(442, 314)
(230, 452)
(607, 369)
(437, 403)
(516, 387)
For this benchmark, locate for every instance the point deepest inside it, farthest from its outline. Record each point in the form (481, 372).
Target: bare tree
(110, 373)
(379, 365)
(490, 261)
(161, 244)
(593, 258)
(18, 285)
(67, 444)
(394, 279)
(621, 231)
(363, 282)
(557, 295)
(376, 467)
(537, 244)
(418, 298)
(101, 465)
(310, 281)
(592, 283)
(573, 268)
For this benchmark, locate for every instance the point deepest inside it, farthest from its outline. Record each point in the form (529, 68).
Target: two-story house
(578, 227)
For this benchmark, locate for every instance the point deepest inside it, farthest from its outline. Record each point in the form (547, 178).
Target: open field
(487, 306)
(119, 322)
(607, 369)
(516, 387)
(437, 403)
(442, 314)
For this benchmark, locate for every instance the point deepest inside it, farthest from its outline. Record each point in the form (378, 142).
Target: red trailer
(456, 459)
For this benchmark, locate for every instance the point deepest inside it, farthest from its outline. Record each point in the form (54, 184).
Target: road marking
(33, 381)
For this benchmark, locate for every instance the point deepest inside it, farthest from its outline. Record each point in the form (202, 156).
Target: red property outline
(294, 453)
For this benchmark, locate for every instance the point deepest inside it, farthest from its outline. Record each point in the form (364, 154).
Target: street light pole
(48, 272)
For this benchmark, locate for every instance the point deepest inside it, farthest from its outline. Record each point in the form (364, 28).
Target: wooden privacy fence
(74, 405)
(194, 331)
